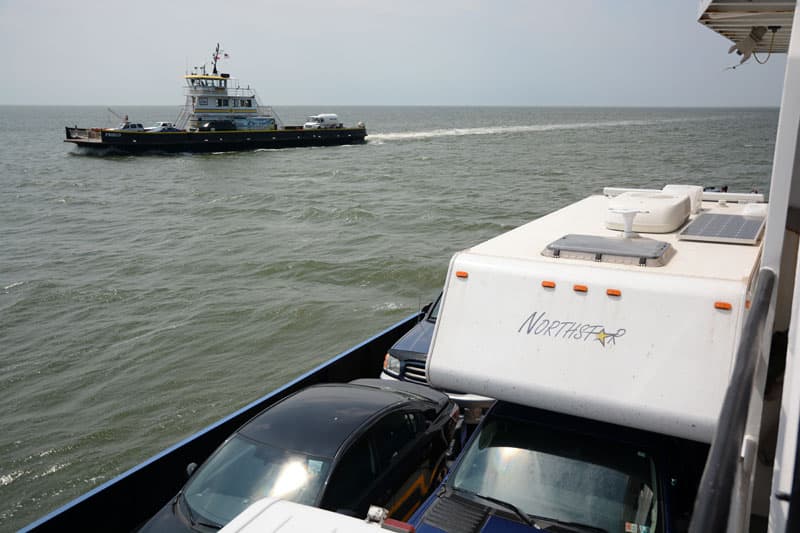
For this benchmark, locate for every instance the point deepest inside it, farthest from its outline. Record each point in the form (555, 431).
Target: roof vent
(642, 252)
(659, 212)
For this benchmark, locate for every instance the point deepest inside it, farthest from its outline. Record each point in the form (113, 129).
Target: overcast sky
(379, 52)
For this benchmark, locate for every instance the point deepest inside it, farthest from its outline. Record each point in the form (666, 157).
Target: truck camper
(607, 331)
(582, 312)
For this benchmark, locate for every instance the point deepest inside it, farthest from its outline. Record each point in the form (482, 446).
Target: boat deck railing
(220, 92)
(720, 495)
(92, 134)
(267, 110)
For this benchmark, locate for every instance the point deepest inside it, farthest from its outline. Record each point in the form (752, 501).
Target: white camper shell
(568, 315)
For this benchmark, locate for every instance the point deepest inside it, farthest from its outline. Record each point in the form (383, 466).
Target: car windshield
(435, 310)
(563, 476)
(244, 471)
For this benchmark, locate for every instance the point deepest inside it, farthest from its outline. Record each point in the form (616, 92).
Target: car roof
(320, 419)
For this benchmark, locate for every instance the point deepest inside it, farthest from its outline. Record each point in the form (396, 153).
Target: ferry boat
(672, 312)
(219, 115)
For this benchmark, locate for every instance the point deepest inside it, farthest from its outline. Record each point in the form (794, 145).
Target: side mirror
(190, 468)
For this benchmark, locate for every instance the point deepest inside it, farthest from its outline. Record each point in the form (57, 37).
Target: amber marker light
(725, 306)
(580, 288)
(462, 274)
(549, 284)
(614, 292)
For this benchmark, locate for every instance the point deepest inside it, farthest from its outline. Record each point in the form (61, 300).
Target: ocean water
(144, 297)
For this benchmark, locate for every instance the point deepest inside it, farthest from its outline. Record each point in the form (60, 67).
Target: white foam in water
(387, 306)
(496, 130)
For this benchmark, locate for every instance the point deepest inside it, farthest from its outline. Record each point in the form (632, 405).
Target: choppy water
(142, 298)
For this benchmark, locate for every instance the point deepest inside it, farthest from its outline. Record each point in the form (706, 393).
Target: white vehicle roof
(643, 346)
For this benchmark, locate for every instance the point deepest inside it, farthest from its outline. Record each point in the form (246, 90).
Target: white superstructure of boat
(217, 96)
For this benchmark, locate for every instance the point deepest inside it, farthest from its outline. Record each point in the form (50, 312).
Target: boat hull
(211, 141)
(126, 502)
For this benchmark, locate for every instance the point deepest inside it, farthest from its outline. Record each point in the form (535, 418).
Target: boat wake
(378, 138)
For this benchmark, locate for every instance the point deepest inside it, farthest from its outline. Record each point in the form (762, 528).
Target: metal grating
(415, 372)
(732, 229)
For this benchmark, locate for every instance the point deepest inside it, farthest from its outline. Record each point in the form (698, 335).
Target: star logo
(602, 336)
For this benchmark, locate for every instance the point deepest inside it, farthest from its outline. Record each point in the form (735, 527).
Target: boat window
(562, 475)
(244, 471)
(203, 101)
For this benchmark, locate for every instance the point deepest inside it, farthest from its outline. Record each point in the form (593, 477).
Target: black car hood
(415, 343)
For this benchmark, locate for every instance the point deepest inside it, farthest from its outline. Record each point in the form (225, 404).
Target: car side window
(352, 475)
(392, 434)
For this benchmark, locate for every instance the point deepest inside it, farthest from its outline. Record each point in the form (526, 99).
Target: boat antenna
(216, 57)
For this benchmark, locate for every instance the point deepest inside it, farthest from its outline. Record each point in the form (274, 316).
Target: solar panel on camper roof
(715, 227)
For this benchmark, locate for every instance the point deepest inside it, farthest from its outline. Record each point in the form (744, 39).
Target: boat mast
(216, 57)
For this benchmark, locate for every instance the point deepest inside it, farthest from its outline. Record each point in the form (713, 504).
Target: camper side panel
(636, 347)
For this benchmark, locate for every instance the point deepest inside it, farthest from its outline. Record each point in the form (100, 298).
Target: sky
(379, 52)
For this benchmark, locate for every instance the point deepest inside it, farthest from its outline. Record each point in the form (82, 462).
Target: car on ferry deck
(405, 361)
(162, 127)
(338, 446)
(525, 469)
(406, 358)
(128, 126)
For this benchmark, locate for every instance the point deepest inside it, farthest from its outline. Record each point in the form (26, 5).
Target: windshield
(435, 310)
(563, 476)
(244, 471)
